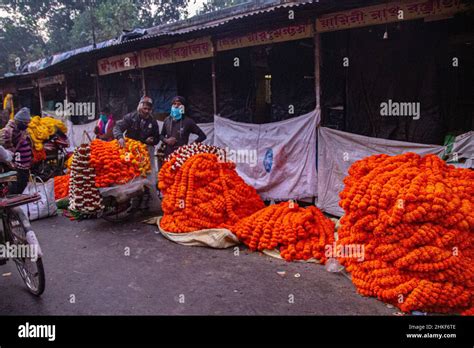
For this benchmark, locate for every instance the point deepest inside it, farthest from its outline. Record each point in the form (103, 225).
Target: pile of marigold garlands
(414, 216)
(41, 129)
(201, 190)
(299, 233)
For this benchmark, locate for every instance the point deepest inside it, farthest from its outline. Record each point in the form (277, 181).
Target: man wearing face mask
(105, 125)
(17, 141)
(139, 125)
(177, 127)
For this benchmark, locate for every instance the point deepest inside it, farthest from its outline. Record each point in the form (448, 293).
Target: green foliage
(214, 5)
(35, 29)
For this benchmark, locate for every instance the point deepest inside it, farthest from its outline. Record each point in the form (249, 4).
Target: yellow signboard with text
(178, 52)
(287, 33)
(117, 64)
(387, 13)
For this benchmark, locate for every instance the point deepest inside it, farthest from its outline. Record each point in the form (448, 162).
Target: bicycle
(15, 229)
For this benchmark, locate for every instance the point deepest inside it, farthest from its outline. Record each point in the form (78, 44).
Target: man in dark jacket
(139, 125)
(177, 127)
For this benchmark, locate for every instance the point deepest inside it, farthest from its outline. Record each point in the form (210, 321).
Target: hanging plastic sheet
(278, 159)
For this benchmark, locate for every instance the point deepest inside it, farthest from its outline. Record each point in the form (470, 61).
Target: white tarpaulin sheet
(75, 133)
(338, 150)
(278, 159)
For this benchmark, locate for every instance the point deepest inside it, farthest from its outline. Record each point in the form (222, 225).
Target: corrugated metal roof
(196, 24)
(193, 24)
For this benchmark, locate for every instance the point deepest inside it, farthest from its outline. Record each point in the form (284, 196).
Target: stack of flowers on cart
(202, 190)
(114, 165)
(414, 217)
(84, 197)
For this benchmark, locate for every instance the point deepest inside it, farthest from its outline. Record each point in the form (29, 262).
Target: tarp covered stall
(266, 83)
(413, 64)
(278, 159)
(162, 86)
(236, 89)
(121, 92)
(292, 79)
(195, 84)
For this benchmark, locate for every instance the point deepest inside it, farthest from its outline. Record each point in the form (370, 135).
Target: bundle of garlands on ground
(201, 190)
(97, 165)
(414, 216)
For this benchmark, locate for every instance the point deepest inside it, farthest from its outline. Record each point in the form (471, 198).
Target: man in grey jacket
(139, 125)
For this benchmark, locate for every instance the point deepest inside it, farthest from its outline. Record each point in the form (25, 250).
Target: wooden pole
(143, 82)
(214, 81)
(97, 87)
(317, 70)
(40, 98)
(66, 93)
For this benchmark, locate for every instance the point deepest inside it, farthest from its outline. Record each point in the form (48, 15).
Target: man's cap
(146, 100)
(23, 115)
(180, 98)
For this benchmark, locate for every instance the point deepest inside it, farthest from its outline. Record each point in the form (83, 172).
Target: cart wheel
(117, 212)
(32, 272)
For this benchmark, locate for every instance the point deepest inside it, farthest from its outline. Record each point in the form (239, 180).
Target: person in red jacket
(105, 125)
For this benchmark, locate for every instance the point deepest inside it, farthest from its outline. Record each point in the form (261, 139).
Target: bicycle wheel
(32, 272)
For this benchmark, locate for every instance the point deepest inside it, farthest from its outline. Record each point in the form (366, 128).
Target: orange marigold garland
(299, 233)
(116, 165)
(414, 216)
(202, 191)
(39, 155)
(61, 186)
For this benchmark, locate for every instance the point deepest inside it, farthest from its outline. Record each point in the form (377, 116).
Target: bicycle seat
(17, 200)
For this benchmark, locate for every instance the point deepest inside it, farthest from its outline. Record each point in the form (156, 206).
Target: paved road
(87, 259)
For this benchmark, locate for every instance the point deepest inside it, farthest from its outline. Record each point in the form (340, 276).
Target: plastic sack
(332, 265)
(219, 238)
(46, 206)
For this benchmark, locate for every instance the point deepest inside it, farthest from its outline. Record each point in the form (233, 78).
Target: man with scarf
(177, 127)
